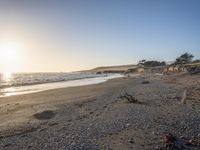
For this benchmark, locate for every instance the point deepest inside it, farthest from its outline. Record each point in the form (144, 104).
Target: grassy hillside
(121, 68)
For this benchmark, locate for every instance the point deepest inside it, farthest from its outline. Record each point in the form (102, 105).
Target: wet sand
(100, 117)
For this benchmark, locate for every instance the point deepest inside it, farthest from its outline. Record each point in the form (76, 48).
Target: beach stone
(191, 141)
(47, 114)
(131, 141)
(73, 143)
(6, 145)
(182, 137)
(29, 147)
(145, 82)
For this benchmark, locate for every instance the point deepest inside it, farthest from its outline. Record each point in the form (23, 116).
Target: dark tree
(184, 59)
(151, 63)
(141, 62)
(154, 63)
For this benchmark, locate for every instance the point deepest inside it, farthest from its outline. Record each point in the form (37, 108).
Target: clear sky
(69, 35)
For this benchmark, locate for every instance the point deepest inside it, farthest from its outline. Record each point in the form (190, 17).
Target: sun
(9, 52)
(9, 56)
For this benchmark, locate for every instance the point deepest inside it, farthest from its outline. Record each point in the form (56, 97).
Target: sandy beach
(100, 75)
(100, 117)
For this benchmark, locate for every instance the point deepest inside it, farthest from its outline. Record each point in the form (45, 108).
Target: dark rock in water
(145, 82)
(47, 114)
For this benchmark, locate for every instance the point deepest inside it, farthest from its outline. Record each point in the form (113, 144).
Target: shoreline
(97, 117)
(34, 88)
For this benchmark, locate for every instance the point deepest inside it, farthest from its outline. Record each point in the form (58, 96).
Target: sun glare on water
(7, 76)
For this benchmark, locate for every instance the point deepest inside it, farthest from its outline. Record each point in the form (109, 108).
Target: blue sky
(81, 34)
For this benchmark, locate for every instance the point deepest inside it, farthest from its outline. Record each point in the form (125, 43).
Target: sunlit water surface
(23, 83)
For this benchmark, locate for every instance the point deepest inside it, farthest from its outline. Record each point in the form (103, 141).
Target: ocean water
(23, 83)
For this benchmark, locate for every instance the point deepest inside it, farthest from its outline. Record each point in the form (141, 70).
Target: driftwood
(129, 98)
(184, 97)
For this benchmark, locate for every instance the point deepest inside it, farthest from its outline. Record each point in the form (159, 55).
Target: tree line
(185, 58)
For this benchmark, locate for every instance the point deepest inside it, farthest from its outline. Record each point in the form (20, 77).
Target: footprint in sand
(44, 115)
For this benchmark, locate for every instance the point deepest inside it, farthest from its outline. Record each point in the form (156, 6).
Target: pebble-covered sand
(98, 117)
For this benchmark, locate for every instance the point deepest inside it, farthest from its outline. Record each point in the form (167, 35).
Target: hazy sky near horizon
(69, 35)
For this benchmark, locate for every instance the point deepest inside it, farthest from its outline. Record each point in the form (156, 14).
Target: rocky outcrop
(184, 68)
(135, 70)
(168, 69)
(193, 69)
